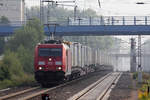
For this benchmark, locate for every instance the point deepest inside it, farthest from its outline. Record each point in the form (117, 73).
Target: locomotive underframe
(49, 76)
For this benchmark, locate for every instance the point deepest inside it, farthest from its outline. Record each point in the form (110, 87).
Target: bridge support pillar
(133, 56)
(139, 60)
(145, 20)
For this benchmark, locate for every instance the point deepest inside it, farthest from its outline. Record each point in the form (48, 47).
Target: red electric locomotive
(52, 62)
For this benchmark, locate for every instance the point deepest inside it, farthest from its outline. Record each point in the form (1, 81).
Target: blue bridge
(108, 25)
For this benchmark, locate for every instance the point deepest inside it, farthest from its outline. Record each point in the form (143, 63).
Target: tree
(24, 41)
(10, 66)
(4, 20)
(59, 13)
(33, 12)
(27, 36)
(88, 13)
(2, 44)
(17, 65)
(36, 24)
(25, 57)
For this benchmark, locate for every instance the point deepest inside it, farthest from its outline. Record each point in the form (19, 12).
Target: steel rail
(50, 89)
(86, 90)
(105, 92)
(18, 93)
(82, 95)
(25, 94)
(2, 90)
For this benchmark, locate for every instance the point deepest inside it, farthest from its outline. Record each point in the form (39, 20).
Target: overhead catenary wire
(99, 3)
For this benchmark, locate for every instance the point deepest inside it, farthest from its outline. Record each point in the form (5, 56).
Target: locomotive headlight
(50, 59)
(40, 68)
(59, 68)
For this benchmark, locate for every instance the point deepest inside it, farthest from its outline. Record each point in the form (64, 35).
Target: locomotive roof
(53, 45)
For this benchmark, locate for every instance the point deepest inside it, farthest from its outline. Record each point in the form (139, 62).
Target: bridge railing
(105, 20)
(13, 23)
(102, 20)
(112, 20)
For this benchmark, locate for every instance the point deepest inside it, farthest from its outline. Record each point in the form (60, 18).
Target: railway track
(33, 92)
(2, 90)
(36, 91)
(29, 93)
(14, 95)
(98, 90)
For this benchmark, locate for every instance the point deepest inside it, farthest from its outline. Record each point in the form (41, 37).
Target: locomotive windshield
(50, 52)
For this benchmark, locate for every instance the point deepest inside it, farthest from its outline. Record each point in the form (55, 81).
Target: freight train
(57, 61)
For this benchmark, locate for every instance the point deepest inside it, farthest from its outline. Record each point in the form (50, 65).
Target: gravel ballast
(65, 92)
(123, 89)
(17, 89)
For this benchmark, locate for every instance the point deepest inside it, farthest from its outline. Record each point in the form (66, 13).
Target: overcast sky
(119, 7)
(111, 7)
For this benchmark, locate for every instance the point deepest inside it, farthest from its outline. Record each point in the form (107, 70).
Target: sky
(125, 8)
(118, 7)
(111, 7)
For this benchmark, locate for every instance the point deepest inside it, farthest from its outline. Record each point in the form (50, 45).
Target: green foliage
(59, 13)
(36, 24)
(135, 75)
(2, 43)
(16, 68)
(25, 37)
(26, 59)
(28, 36)
(4, 73)
(5, 83)
(4, 20)
(33, 12)
(12, 73)
(10, 66)
(18, 81)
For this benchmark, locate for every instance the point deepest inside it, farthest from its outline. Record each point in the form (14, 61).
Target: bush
(26, 59)
(2, 43)
(27, 36)
(26, 79)
(18, 81)
(4, 20)
(5, 84)
(135, 75)
(10, 66)
(16, 68)
(12, 73)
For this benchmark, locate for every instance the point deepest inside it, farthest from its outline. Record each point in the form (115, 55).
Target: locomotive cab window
(50, 52)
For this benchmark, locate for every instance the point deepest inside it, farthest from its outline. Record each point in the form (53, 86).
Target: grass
(143, 88)
(26, 80)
